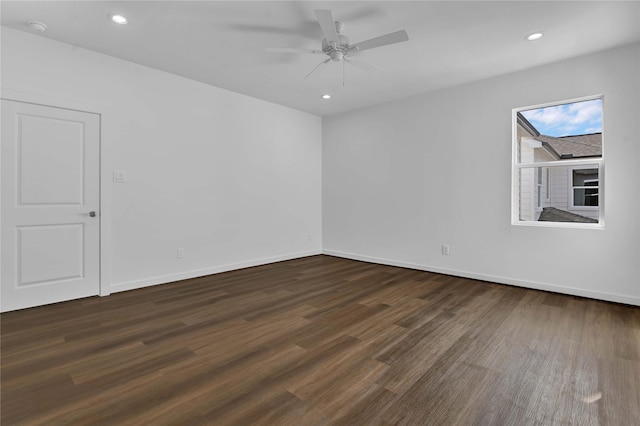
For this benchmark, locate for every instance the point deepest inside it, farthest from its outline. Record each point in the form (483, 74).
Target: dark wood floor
(323, 340)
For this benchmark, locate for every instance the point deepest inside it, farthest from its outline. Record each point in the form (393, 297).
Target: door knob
(91, 214)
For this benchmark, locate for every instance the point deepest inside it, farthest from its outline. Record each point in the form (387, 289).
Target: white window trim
(538, 188)
(515, 171)
(547, 175)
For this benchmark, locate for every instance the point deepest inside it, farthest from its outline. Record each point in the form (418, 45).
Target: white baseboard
(610, 297)
(132, 285)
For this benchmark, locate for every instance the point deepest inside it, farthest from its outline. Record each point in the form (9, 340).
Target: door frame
(57, 101)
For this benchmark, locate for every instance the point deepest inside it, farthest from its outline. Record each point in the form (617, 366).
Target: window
(539, 185)
(558, 164)
(585, 183)
(547, 194)
(543, 193)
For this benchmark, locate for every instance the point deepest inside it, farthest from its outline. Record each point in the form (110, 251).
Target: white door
(50, 161)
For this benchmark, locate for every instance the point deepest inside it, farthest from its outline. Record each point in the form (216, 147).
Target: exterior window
(558, 148)
(585, 187)
(539, 188)
(543, 188)
(547, 194)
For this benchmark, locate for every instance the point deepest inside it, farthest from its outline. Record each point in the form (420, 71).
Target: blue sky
(578, 118)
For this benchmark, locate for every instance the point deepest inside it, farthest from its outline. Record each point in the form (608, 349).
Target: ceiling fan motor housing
(336, 53)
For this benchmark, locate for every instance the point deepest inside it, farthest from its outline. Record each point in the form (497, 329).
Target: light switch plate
(119, 176)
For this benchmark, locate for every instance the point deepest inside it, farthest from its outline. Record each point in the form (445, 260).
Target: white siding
(541, 155)
(527, 194)
(529, 210)
(559, 188)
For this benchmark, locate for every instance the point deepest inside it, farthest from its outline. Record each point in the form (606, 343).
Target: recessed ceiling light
(37, 26)
(326, 96)
(118, 19)
(534, 36)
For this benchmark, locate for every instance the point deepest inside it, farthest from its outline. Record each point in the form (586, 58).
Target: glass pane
(585, 177)
(567, 139)
(548, 183)
(559, 132)
(537, 204)
(539, 195)
(527, 194)
(585, 197)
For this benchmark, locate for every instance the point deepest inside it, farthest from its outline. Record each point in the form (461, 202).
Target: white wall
(403, 178)
(234, 180)
(237, 181)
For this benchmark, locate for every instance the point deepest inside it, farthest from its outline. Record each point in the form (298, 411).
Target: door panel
(50, 253)
(51, 172)
(50, 181)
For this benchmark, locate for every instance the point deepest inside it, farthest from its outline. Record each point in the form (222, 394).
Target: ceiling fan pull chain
(317, 66)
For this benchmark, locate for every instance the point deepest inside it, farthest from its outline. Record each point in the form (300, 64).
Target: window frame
(516, 167)
(543, 186)
(539, 181)
(547, 172)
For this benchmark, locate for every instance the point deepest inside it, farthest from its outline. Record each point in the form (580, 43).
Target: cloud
(586, 112)
(568, 119)
(589, 130)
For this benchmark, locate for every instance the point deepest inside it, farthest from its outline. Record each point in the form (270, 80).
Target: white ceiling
(223, 42)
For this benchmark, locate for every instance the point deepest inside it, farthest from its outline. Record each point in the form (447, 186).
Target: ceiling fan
(336, 45)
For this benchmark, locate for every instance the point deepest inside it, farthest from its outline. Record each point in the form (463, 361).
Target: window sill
(567, 225)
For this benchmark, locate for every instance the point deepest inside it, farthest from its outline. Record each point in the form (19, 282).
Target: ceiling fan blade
(362, 61)
(292, 50)
(325, 18)
(396, 37)
(317, 66)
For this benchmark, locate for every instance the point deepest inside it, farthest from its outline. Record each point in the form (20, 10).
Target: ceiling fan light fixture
(336, 55)
(534, 36)
(326, 96)
(118, 19)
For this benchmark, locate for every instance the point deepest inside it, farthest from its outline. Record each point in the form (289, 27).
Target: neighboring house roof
(527, 125)
(552, 214)
(578, 146)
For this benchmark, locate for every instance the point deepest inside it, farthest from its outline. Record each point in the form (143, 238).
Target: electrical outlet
(180, 253)
(445, 250)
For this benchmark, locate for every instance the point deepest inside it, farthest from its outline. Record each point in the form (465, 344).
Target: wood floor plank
(322, 341)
